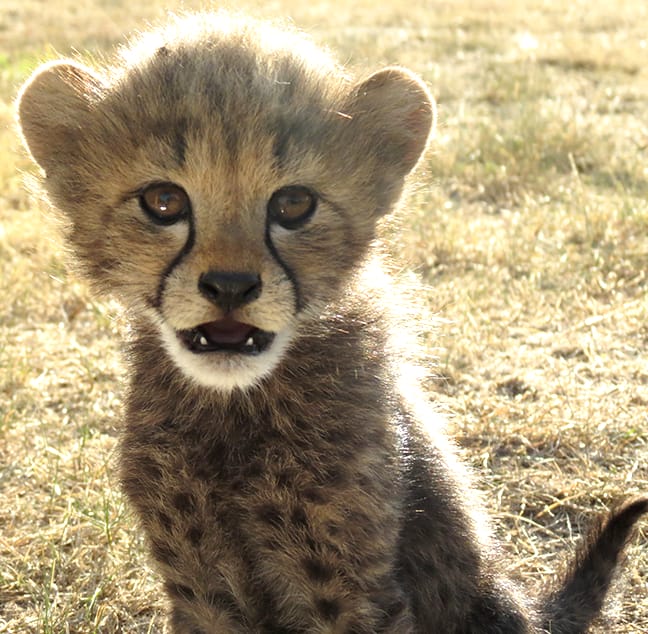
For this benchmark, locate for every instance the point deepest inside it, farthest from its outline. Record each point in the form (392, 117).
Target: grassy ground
(529, 224)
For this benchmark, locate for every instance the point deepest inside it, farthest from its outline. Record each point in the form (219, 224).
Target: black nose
(228, 289)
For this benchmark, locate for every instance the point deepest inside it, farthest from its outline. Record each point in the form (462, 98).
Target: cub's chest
(265, 518)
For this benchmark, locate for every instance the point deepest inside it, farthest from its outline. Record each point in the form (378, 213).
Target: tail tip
(628, 512)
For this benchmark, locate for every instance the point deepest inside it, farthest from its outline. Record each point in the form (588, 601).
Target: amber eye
(291, 207)
(166, 203)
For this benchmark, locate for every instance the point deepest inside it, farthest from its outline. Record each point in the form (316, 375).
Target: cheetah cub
(225, 182)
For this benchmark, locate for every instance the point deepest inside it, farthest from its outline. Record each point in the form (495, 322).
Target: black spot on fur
(223, 600)
(270, 514)
(195, 535)
(165, 521)
(299, 518)
(149, 468)
(315, 495)
(184, 502)
(167, 425)
(328, 608)
(334, 475)
(163, 552)
(285, 478)
(209, 462)
(395, 608)
(317, 570)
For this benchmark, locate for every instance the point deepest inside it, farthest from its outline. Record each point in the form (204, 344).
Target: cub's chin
(225, 355)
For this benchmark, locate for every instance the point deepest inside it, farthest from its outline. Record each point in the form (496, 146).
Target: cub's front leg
(264, 538)
(446, 558)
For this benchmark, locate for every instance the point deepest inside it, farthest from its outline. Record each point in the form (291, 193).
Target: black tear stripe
(290, 274)
(188, 245)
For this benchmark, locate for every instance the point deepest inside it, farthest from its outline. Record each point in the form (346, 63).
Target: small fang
(203, 341)
(249, 342)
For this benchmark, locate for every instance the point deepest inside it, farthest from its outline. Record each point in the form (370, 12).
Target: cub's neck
(342, 357)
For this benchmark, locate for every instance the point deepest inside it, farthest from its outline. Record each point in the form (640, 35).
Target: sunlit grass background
(528, 223)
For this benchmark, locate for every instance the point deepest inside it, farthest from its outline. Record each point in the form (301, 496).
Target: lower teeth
(200, 340)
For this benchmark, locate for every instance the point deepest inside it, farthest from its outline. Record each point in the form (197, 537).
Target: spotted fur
(289, 483)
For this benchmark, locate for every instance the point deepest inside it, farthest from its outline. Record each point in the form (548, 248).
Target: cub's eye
(166, 203)
(292, 206)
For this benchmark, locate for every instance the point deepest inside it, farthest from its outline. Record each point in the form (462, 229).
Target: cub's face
(222, 186)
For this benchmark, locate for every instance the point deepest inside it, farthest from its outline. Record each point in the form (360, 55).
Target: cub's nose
(230, 289)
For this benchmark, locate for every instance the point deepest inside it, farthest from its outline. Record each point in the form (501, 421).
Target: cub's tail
(575, 603)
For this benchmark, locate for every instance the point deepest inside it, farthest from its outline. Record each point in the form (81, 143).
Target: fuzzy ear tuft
(397, 111)
(53, 107)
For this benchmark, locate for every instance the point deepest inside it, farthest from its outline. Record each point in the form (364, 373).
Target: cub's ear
(54, 106)
(396, 114)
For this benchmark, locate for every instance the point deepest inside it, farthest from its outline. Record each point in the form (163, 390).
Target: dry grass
(530, 226)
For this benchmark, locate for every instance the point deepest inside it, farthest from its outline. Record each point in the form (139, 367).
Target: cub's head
(223, 182)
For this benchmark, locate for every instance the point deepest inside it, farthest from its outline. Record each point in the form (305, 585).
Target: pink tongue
(226, 331)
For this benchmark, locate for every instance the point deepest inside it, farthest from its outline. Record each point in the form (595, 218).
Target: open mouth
(226, 335)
